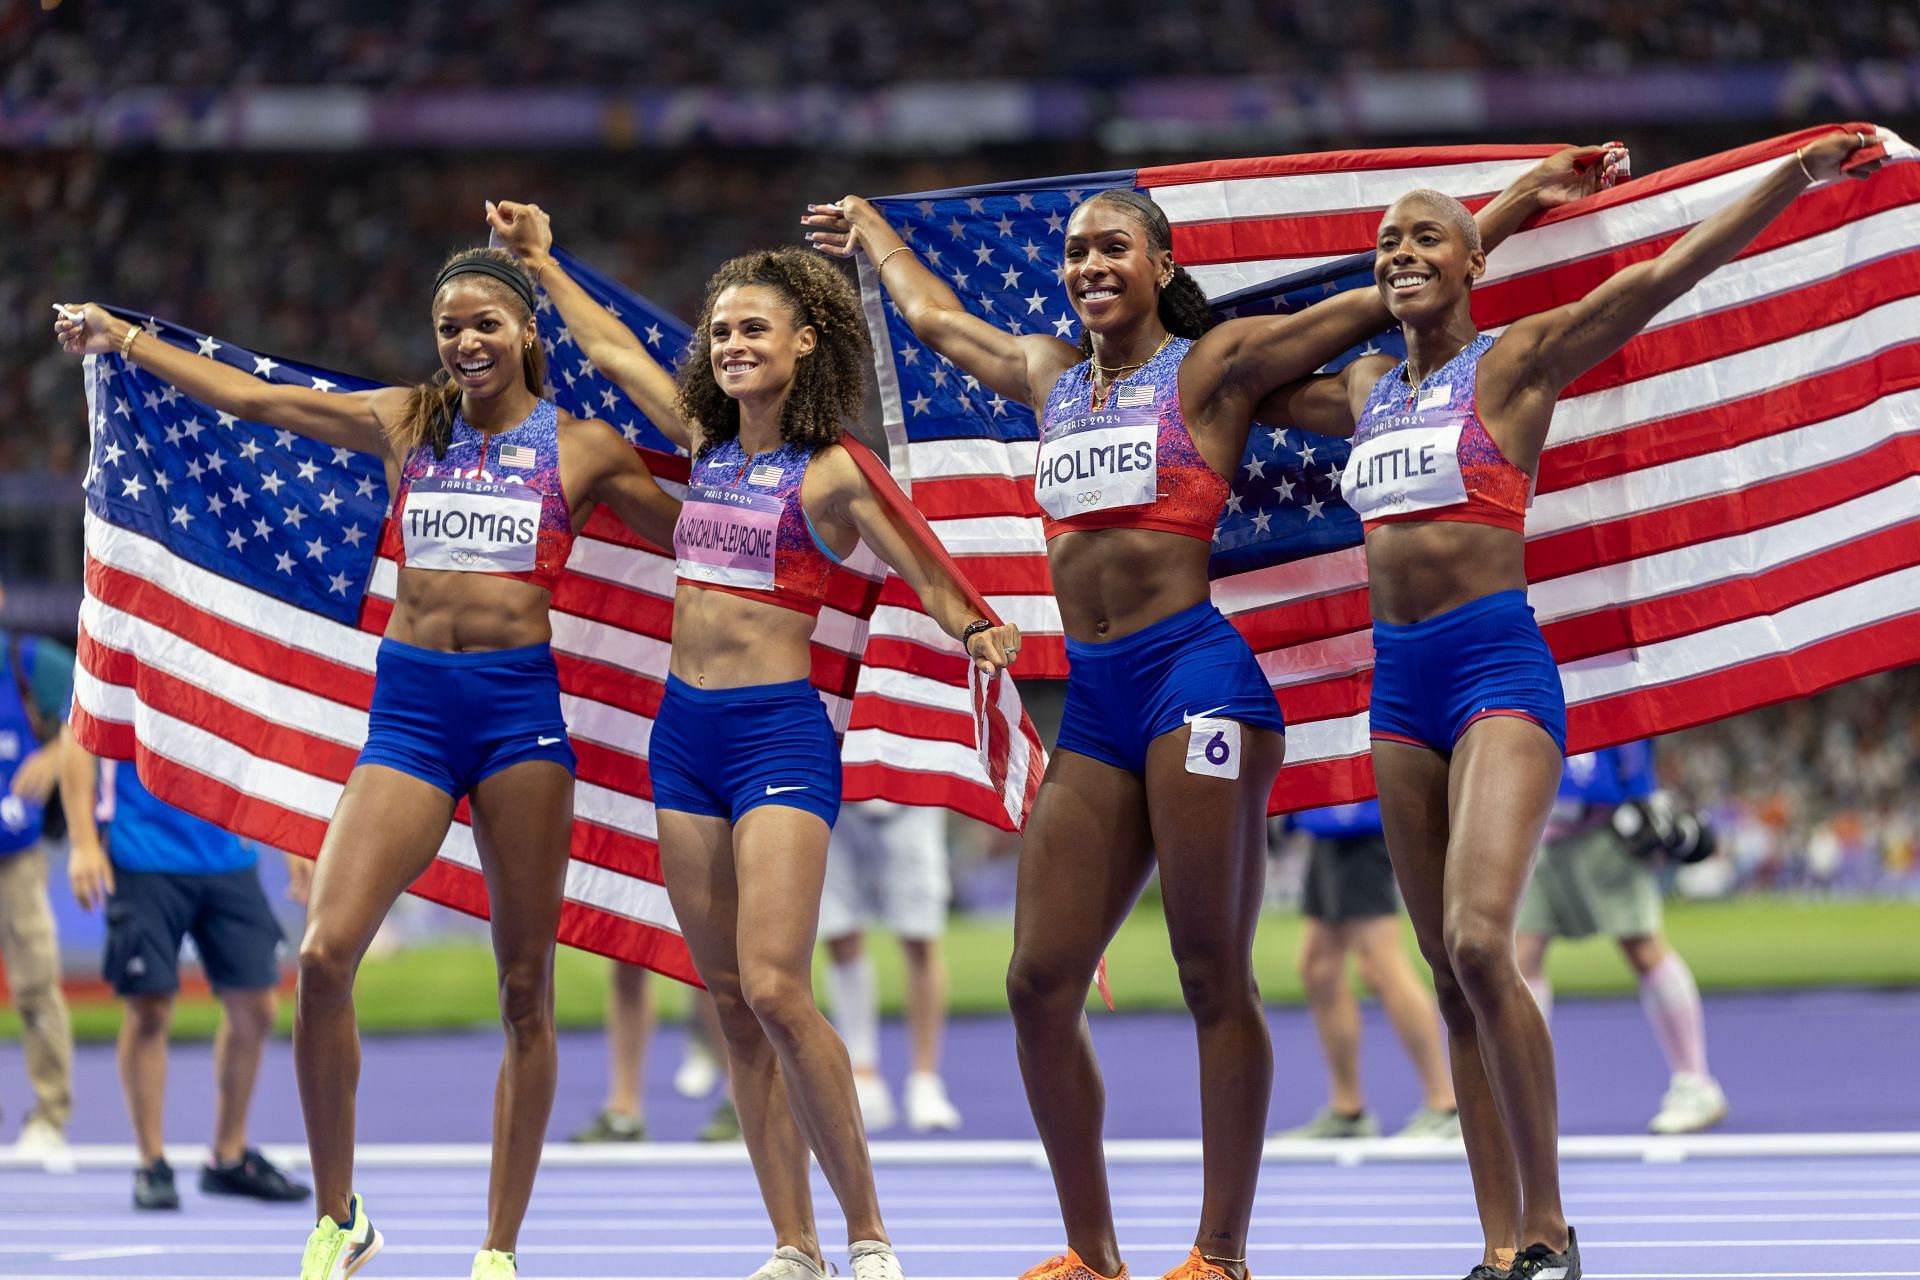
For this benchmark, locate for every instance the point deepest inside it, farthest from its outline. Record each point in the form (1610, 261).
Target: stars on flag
(218, 491)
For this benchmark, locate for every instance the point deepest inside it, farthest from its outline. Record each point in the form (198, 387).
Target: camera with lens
(1658, 826)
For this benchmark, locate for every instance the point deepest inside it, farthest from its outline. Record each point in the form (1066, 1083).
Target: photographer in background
(1609, 830)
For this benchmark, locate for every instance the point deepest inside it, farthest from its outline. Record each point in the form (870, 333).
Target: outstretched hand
(1576, 172)
(836, 227)
(524, 230)
(1825, 156)
(82, 329)
(995, 648)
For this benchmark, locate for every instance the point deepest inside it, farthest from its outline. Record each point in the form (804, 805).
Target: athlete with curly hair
(466, 697)
(1171, 737)
(745, 768)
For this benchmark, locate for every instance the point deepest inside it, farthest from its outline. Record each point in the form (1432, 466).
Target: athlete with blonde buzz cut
(1467, 716)
(1171, 736)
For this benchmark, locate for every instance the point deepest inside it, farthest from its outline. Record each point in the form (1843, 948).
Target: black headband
(512, 277)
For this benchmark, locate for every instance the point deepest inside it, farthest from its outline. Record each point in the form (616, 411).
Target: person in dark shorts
(163, 876)
(1351, 908)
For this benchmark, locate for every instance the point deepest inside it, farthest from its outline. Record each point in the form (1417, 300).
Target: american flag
(235, 601)
(1724, 511)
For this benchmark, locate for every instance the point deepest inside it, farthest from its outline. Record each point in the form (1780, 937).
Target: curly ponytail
(1184, 309)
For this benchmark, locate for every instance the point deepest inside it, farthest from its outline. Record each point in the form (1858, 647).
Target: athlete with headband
(491, 484)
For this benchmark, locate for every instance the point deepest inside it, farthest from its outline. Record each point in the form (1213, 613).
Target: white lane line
(121, 1251)
(912, 1248)
(200, 1225)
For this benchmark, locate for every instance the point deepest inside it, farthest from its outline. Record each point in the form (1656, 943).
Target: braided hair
(828, 390)
(1184, 309)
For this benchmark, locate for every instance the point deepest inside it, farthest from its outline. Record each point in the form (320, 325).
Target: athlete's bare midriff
(1113, 582)
(1418, 569)
(467, 612)
(724, 641)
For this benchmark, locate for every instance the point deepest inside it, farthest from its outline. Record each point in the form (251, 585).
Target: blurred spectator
(83, 44)
(1596, 875)
(888, 864)
(170, 876)
(36, 690)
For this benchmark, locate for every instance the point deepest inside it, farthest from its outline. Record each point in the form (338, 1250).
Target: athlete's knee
(1480, 952)
(1216, 978)
(782, 1002)
(1037, 986)
(526, 996)
(326, 969)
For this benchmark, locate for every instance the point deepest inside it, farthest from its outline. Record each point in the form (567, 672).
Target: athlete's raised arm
(1021, 367)
(354, 419)
(1537, 357)
(619, 477)
(526, 231)
(1263, 360)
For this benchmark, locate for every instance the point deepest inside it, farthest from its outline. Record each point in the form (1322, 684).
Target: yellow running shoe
(1196, 1267)
(1067, 1266)
(335, 1252)
(494, 1264)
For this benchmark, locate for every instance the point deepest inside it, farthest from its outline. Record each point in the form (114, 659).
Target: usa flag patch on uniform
(766, 475)
(517, 455)
(1133, 397)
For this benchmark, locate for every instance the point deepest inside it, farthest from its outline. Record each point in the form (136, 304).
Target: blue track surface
(1729, 1219)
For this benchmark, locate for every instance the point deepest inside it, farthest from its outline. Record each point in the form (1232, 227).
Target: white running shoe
(788, 1263)
(876, 1102)
(40, 1136)
(698, 1074)
(873, 1260)
(1693, 1104)
(928, 1106)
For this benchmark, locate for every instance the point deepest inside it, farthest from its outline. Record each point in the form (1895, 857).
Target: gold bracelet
(1797, 155)
(882, 264)
(126, 343)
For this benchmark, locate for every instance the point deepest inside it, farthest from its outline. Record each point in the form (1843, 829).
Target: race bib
(1411, 469)
(471, 525)
(1213, 747)
(1099, 461)
(726, 538)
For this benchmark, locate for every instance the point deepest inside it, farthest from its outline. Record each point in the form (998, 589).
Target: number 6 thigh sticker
(1213, 747)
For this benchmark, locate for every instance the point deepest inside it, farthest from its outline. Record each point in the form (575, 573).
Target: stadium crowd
(419, 44)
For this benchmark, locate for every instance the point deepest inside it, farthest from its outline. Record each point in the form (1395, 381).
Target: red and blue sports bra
(1130, 465)
(742, 529)
(492, 504)
(1423, 453)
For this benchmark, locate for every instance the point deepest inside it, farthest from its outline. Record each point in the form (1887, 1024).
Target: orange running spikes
(1197, 1267)
(1067, 1266)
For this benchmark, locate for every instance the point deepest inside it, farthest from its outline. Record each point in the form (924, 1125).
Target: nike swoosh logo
(547, 742)
(774, 791)
(1189, 717)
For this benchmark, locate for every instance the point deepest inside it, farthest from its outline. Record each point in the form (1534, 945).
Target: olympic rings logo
(1088, 497)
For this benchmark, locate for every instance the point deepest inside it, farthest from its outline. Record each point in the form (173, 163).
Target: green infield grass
(1752, 943)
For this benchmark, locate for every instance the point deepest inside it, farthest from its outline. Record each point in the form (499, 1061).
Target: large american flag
(1725, 514)
(238, 581)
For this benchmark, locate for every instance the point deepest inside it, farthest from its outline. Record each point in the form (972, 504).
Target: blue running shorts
(1432, 679)
(1122, 694)
(721, 752)
(456, 719)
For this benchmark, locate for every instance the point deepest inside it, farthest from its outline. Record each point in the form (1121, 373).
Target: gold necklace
(1101, 370)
